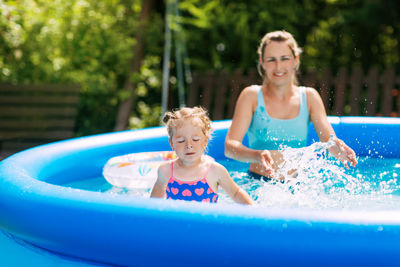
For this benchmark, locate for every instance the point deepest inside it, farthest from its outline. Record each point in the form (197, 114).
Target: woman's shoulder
(308, 90)
(311, 92)
(250, 92)
(313, 98)
(252, 89)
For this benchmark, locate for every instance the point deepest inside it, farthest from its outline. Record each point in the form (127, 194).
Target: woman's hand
(343, 152)
(266, 162)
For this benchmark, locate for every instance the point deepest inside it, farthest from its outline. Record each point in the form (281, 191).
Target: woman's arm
(324, 129)
(159, 187)
(242, 117)
(230, 187)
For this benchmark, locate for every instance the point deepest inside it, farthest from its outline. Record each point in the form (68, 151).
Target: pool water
(321, 183)
(372, 185)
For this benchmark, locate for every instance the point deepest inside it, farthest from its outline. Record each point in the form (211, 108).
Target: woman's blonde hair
(277, 36)
(174, 119)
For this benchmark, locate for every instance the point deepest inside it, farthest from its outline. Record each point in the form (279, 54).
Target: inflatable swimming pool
(113, 229)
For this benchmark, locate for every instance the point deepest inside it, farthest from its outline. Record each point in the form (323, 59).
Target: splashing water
(320, 181)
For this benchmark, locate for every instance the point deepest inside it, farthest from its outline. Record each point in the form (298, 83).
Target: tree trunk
(126, 105)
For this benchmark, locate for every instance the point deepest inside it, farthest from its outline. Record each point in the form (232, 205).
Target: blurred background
(99, 66)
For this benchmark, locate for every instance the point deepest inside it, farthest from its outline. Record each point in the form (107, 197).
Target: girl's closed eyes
(194, 138)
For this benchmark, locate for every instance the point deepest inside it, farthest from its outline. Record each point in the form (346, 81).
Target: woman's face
(279, 63)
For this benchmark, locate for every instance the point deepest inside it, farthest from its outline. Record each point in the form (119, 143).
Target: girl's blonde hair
(176, 118)
(277, 36)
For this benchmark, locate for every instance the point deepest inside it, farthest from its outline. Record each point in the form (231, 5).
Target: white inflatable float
(136, 170)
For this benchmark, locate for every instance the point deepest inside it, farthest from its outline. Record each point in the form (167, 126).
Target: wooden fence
(353, 93)
(31, 115)
(38, 114)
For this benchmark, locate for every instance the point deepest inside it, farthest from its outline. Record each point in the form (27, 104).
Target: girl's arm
(159, 187)
(230, 187)
(324, 129)
(240, 123)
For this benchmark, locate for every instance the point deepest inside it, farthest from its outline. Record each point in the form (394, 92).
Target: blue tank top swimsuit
(198, 190)
(271, 134)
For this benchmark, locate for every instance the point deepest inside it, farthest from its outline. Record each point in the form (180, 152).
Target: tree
(134, 68)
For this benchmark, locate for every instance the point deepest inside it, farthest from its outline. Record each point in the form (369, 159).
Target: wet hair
(196, 115)
(277, 36)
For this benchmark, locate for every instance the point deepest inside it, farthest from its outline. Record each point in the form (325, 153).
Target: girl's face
(279, 63)
(189, 141)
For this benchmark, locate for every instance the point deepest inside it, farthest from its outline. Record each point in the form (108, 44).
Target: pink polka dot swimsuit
(198, 190)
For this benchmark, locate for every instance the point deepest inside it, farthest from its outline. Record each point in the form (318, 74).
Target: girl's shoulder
(165, 165)
(216, 174)
(216, 168)
(164, 169)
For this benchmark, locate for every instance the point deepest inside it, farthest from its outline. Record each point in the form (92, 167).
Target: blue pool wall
(113, 229)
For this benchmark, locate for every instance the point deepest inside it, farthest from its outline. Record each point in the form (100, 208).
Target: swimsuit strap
(172, 168)
(208, 169)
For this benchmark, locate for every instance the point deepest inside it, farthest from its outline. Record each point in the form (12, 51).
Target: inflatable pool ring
(136, 170)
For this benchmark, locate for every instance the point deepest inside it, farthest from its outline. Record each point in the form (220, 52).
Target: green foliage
(88, 42)
(91, 42)
(332, 33)
(149, 116)
(356, 33)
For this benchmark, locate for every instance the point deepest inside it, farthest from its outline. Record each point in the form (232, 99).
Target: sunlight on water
(322, 182)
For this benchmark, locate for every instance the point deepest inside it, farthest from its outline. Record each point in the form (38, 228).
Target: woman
(278, 112)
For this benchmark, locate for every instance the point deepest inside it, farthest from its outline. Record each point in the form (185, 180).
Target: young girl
(193, 176)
